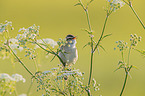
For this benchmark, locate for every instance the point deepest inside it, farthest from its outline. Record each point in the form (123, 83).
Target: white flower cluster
(8, 83)
(115, 5)
(18, 77)
(4, 54)
(135, 39)
(3, 26)
(14, 44)
(14, 77)
(28, 34)
(121, 45)
(53, 81)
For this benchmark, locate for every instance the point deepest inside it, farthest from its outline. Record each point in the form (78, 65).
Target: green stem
(51, 52)
(36, 65)
(125, 2)
(101, 33)
(88, 91)
(122, 56)
(124, 84)
(91, 67)
(45, 43)
(91, 64)
(28, 92)
(88, 20)
(4, 93)
(130, 5)
(92, 54)
(137, 16)
(129, 54)
(16, 93)
(20, 61)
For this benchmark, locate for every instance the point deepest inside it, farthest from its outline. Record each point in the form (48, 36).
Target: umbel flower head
(54, 82)
(8, 83)
(4, 27)
(114, 5)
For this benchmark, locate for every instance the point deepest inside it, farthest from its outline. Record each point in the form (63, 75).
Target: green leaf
(142, 52)
(53, 58)
(133, 66)
(120, 62)
(121, 66)
(106, 36)
(53, 89)
(89, 2)
(87, 44)
(98, 51)
(89, 32)
(116, 69)
(77, 4)
(129, 75)
(102, 47)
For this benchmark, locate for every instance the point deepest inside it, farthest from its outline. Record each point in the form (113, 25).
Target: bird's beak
(75, 37)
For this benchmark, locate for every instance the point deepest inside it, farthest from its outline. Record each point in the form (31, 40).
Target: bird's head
(71, 39)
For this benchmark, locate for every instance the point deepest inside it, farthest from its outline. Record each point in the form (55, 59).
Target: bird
(69, 53)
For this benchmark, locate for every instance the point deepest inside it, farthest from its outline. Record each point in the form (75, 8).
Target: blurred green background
(57, 18)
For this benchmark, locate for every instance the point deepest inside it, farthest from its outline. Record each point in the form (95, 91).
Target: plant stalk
(91, 64)
(137, 16)
(28, 92)
(16, 93)
(88, 20)
(130, 5)
(122, 55)
(91, 68)
(124, 84)
(101, 33)
(36, 65)
(21, 61)
(92, 54)
(52, 52)
(88, 92)
(129, 54)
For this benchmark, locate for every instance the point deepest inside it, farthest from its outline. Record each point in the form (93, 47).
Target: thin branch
(91, 64)
(92, 54)
(125, 2)
(16, 93)
(36, 65)
(137, 17)
(51, 52)
(129, 54)
(122, 55)
(82, 5)
(20, 61)
(88, 20)
(28, 92)
(130, 5)
(101, 34)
